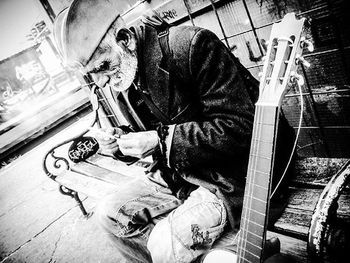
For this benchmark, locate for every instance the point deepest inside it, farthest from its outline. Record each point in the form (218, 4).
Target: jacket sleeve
(222, 132)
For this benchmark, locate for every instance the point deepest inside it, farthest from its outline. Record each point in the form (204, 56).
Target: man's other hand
(107, 139)
(138, 144)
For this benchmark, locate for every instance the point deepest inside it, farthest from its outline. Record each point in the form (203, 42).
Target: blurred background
(37, 93)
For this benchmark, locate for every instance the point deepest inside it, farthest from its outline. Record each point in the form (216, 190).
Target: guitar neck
(257, 191)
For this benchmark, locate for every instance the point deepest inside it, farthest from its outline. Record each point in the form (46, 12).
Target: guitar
(282, 58)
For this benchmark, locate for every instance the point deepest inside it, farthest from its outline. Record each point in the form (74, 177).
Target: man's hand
(138, 144)
(107, 139)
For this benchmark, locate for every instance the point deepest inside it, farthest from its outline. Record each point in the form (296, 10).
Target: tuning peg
(300, 59)
(297, 77)
(304, 42)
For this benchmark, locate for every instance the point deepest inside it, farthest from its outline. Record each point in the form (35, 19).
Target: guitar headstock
(282, 58)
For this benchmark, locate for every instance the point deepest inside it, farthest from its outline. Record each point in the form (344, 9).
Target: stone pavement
(37, 223)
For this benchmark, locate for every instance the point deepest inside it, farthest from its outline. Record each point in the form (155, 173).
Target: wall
(16, 19)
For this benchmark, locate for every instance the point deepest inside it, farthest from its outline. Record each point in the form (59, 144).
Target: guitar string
(295, 141)
(254, 169)
(253, 178)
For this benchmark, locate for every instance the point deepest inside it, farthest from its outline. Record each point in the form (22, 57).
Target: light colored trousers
(148, 224)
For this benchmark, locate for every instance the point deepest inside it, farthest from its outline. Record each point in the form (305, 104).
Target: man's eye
(104, 66)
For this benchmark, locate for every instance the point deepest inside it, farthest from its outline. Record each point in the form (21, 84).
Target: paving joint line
(37, 234)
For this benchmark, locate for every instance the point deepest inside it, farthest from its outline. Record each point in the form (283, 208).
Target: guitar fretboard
(255, 206)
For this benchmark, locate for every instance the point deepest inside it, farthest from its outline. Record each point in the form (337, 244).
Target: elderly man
(202, 105)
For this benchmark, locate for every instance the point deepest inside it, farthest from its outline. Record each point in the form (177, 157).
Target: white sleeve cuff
(168, 142)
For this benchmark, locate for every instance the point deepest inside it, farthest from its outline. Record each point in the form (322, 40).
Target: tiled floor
(37, 223)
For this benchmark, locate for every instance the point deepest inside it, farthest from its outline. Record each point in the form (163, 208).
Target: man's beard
(124, 78)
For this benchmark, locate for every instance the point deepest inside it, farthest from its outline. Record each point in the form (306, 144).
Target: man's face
(113, 65)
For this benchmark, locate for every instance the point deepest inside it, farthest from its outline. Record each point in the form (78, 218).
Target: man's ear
(126, 38)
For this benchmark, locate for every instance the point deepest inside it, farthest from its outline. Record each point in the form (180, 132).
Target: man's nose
(100, 80)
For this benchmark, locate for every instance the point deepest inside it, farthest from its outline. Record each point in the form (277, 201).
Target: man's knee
(187, 232)
(116, 213)
(106, 214)
(160, 243)
(127, 213)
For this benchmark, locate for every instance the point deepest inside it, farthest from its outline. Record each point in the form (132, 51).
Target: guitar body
(226, 256)
(271, 253)
(220, 255)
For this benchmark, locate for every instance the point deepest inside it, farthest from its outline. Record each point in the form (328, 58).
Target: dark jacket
(204, 92)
